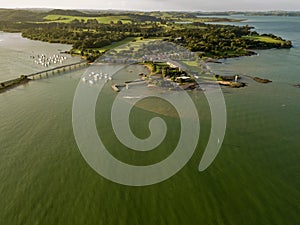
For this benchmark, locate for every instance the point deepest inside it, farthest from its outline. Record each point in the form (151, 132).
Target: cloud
(195, 5)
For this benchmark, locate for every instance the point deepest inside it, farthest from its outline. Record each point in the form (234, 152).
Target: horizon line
(144, 10)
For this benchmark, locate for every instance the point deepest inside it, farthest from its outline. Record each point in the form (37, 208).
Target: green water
(254, 179)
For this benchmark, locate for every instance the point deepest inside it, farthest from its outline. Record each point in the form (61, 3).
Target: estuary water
(17, 53)
(254, 179)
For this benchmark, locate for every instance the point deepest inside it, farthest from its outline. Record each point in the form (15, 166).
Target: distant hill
(82, 13)
(67, 12)
(33, 15)
(21, 15)
(248, 13)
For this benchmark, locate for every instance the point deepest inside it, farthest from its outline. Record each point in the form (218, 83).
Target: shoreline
(168, 82)
(16, 82)
(147, 66)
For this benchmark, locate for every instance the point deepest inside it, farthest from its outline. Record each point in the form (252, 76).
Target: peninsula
(92, 33)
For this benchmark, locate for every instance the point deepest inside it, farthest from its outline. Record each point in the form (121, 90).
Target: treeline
(274, 13)
(79, 39)
(90, 34)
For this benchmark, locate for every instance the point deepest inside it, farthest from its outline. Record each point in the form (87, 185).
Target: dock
(127, 84)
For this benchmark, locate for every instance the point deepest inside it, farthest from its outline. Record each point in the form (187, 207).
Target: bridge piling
(57, 70)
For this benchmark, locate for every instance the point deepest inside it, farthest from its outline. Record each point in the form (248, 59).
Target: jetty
(127, 84)
(41, 74)
(117, 87)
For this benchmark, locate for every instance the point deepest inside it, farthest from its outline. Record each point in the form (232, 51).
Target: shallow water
(254, 179)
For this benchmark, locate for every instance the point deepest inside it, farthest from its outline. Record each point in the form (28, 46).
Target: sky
(184, 5)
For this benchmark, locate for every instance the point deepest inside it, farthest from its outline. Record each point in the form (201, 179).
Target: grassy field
(112, 46)
(117, 44)
(194, 66)
(134, 46)
(161, 14)
(130, 43)
(100, 19)
(265, 39)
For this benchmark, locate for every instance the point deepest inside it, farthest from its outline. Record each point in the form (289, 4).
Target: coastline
(214, 59)
(148, 67)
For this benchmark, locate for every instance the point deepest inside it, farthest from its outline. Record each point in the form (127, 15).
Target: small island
(231, 81)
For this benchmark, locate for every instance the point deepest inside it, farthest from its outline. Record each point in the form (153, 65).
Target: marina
(45, 61)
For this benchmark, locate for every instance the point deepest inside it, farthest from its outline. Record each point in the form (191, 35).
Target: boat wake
(132, 97)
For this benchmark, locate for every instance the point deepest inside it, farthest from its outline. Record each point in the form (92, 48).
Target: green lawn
(264, 39)
(117, 44)
(126, 44)
(162, 64)
(194, 66)
(135, 45)
(101, 19)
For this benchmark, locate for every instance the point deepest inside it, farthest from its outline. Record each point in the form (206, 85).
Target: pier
(127, 84)
(41, 74)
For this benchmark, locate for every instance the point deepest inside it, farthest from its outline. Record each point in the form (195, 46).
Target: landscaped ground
(265, 39)
(100, 19)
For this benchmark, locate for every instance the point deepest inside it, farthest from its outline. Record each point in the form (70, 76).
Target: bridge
(57, 69)
(25, 78)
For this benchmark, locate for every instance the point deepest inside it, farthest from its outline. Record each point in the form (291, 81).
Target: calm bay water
(254, 179)
(15, 55)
